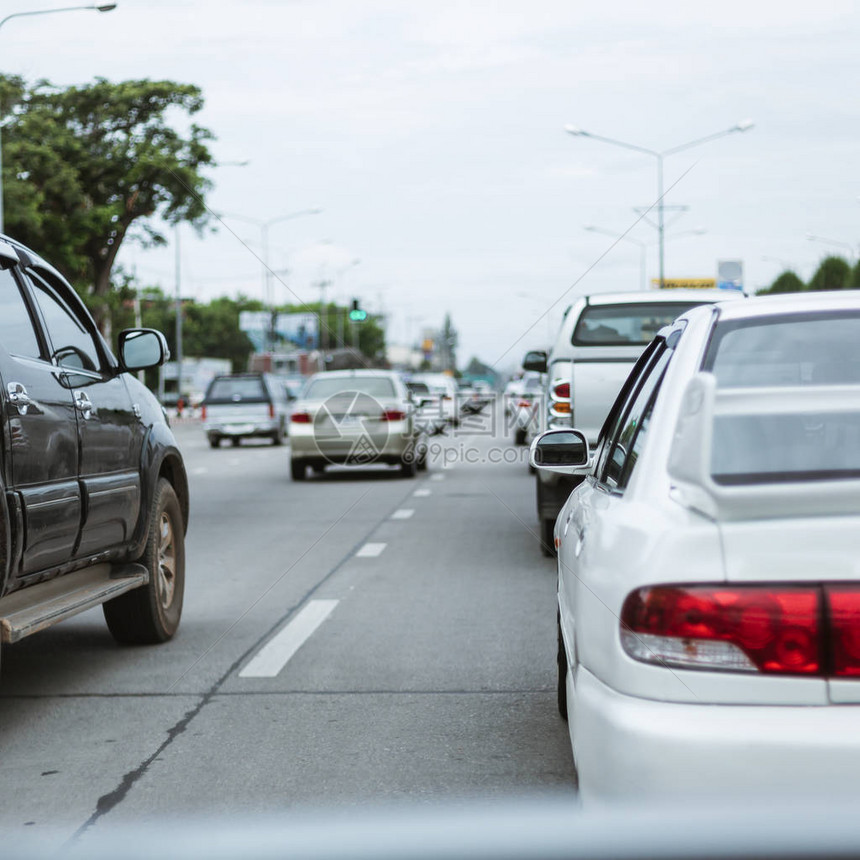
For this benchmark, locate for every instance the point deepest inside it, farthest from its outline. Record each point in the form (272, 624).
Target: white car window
(802, 350)
(623, 450)
(807, 349)
(326, 386)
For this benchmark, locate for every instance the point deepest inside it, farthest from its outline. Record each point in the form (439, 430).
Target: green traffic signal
(357, 314)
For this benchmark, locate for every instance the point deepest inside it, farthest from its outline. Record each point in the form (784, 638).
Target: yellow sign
(685, 283)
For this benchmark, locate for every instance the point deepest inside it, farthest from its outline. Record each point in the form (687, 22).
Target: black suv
(94, 506)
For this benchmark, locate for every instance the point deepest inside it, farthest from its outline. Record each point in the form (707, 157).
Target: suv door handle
(83, 402)
(19, 398)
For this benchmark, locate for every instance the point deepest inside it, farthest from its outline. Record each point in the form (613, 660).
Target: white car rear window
(323, 387)
(802, 351)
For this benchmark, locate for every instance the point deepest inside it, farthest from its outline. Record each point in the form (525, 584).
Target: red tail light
(271, 410)
(524, 404)
(300, 418)
(203, 412)
(561, 391)
(393, 415)
(776, 630)
(844, 604)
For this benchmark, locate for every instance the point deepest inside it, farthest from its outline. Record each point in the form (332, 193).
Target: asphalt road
(356, 640)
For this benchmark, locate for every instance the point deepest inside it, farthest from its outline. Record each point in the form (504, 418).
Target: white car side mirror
(562, 451)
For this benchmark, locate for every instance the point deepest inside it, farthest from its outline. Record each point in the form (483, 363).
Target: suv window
(237, 389)
(16, 325)
(74, 346)
(628, 325)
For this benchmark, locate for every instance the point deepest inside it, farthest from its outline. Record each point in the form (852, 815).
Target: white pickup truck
(599, 341)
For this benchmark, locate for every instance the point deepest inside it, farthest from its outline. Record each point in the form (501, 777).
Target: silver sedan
(355, 417)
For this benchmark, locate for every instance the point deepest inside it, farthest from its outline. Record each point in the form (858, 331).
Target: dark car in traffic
(94, 507)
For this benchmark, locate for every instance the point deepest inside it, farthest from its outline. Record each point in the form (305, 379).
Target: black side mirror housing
(535, 360)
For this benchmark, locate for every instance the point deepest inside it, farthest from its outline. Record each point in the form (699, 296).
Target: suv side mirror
(535, 360)
(141, 348)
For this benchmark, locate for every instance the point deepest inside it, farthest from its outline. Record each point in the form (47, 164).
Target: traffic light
(357, 314)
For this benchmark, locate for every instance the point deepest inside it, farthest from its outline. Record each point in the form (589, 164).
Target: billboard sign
(299, 330)
(730, 274)
(292, 331)
(684, 283)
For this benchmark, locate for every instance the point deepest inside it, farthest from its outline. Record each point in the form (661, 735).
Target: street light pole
(178, 263)
(835, 242)
(744, 125)
(104, 7)
(643, 246)
(264, 243)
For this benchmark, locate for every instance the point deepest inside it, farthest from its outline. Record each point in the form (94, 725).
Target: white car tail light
(843, 602)
(770, 629)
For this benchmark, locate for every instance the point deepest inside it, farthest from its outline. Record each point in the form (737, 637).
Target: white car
(709, 564)
(444, 388)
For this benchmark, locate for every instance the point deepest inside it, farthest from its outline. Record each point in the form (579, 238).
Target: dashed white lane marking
(421, 493)
(437, 477)
(371, 550)
(402, 514)
(276, 653)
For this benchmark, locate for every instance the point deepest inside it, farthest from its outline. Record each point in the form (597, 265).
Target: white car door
(585, 529)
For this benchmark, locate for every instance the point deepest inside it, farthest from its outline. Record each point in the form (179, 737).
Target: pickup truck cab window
(625, 324)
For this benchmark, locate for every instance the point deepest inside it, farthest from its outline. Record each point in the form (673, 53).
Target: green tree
(85, 167)
(787, 282)
(855, 276)
(213, 331)
(833, 274)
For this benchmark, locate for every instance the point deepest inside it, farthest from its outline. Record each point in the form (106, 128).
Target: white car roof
(807, 302)
(661, 296)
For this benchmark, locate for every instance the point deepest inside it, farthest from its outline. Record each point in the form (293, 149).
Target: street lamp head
(576, 131)
(744, 125)
(106, 7)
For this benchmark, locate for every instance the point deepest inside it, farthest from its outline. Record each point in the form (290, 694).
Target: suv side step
(36, 607)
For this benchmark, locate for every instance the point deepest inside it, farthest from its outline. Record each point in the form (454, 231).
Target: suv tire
(151, 613)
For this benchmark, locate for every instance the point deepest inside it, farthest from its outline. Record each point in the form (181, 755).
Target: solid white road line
(371, 550)
(402, 514)
(275, 654)
(422, 493)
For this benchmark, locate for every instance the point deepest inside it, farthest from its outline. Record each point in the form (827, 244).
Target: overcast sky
(431, 135)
